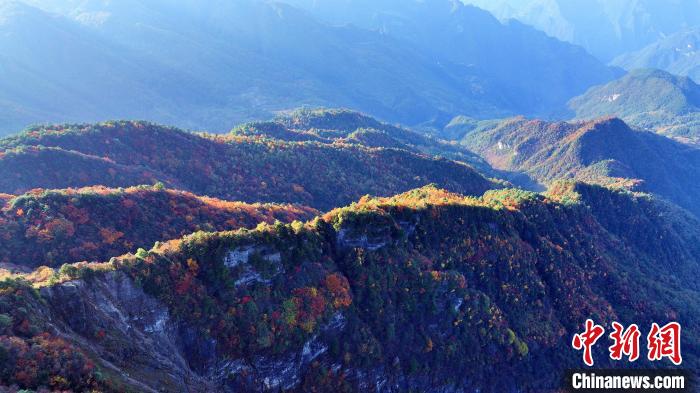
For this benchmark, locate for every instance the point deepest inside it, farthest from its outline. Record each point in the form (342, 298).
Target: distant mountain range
(677, 53)
(210, 66)
(606, 28)
(651, 99)
(516, 59)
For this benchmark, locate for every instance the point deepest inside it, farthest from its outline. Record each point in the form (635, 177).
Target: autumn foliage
(30, 356)
(320, 174)
(97, 223)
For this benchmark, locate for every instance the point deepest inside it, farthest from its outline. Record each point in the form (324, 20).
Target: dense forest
(407, 291)
(118, 274)
(231, 167)
(650, 99)
(51, 227)
(604, 151)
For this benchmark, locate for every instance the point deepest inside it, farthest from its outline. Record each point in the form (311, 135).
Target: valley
(384, 196)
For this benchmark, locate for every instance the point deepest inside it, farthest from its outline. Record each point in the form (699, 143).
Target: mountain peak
(328, 119)
(603, 151)
(605, 123)
(678, 53)
(672, 109)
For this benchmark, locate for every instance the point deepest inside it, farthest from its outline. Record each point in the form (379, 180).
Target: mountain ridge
(605, 28)
(647, 98)
(676, 53)
(604, 151)
(52, 227)
(335, 284)
(228, 167)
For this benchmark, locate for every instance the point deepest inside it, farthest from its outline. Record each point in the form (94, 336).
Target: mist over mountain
(215, 64)
(606, 28)
(531, 72)
(648, 98)
(677, 53)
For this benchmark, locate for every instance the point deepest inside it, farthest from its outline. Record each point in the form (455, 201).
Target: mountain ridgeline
(507, 62)
(677, 53)
(607, 29)
(649, 99)
(51, 227)
(603, 151)
(426, 290)
(233, 167)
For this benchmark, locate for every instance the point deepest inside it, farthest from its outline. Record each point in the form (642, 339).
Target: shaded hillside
(605, 28)
(603, 151)
(509, 61)
(427, 291)
(34, 89)
(677, 53)
(34, 166)
(94, 224)
(249, 169)
(651, 99)
(210, 65)
(185, 63)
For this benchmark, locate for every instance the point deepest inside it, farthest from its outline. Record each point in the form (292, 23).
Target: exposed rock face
(153, 352)
(266, 374)
(372, 238)
(142, 339)
(133, 335)
(238, 260)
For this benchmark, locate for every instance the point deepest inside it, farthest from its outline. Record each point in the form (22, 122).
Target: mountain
(606, 28)
(651, 99)
(210, 66)
(53, 68)
(233, 167)
(336, 250)
(603, 151)
(427, 290)
(344, 126)
(212, 74)
(51, 227)
(515, 59)
(350, 127)
(677, 53)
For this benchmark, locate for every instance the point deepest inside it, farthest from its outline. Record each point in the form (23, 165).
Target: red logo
(662, 342)
(665, 342)
(626, 342)
(587, 339)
